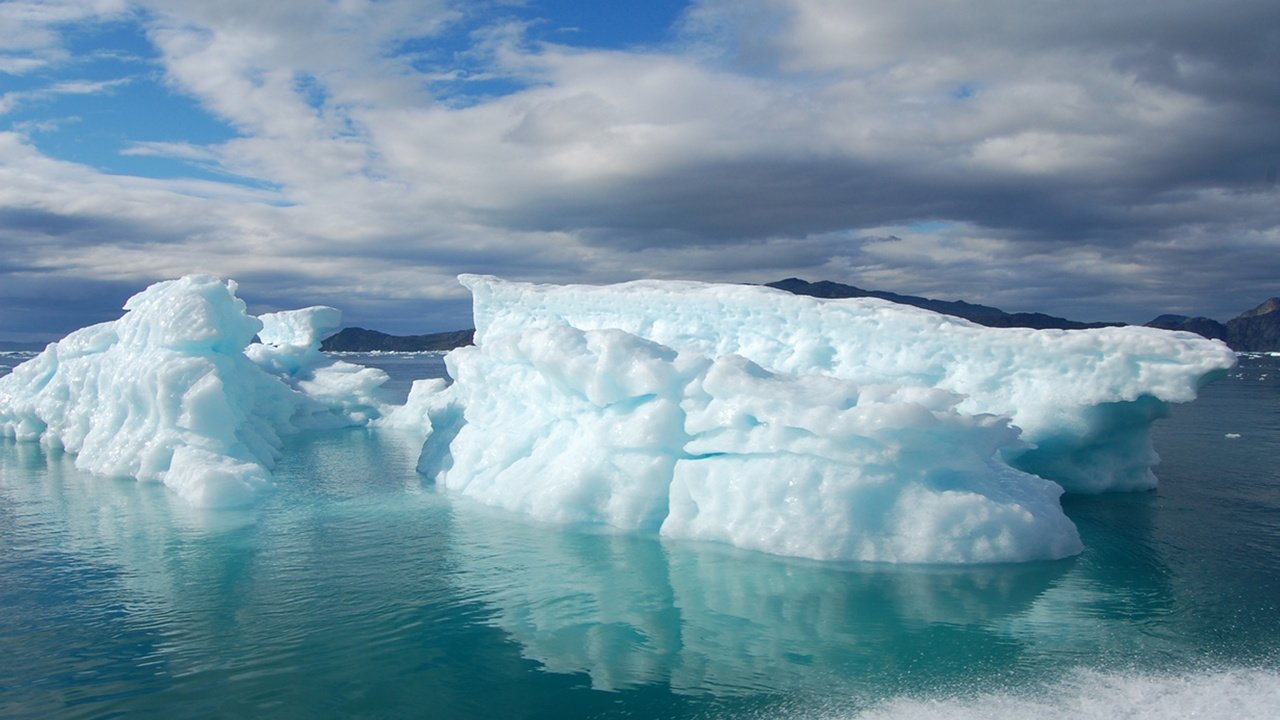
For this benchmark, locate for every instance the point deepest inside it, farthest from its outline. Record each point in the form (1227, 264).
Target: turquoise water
(356, 590)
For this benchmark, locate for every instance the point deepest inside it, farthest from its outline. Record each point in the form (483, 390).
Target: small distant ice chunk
(304, 328)
(424, 399)
(1232, 436)
(333, 393)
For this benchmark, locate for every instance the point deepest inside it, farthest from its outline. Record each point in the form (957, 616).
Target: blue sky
(109, 96)
(1090, 159)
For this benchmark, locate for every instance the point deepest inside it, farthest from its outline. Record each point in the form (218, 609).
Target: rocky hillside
(354, 339)
(1256, 330)
(981, 314)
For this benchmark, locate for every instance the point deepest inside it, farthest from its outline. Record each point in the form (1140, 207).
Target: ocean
(357, 589)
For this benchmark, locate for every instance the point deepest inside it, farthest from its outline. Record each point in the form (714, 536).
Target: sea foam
(1230, 694)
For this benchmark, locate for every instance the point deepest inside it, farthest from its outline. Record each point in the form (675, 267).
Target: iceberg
(1083, 399)
(175, 392)
(847, 430)
(828, 429)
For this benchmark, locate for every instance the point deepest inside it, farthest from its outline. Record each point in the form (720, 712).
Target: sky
(1092, 159)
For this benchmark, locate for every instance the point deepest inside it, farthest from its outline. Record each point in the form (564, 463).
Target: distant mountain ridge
(981, 314)
(6, 346)
(1256, 330)
(356, 339)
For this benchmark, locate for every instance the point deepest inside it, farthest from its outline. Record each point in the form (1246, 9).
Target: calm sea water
(357, 590)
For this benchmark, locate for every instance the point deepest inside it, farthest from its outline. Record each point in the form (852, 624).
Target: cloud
(31, 34)
(11, 100)
(1087, 159)
(181, 150)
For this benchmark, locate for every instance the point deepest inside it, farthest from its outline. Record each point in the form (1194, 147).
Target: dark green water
(354, 590)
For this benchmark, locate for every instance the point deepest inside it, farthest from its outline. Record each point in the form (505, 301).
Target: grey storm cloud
(1094, 159)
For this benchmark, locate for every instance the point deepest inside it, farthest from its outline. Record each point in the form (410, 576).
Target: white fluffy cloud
(1088, 159)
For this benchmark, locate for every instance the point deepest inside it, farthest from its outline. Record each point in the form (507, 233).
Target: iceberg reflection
(628, 610)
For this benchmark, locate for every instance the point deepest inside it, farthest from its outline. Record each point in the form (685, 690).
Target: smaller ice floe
(333, 393)
(426, 398)
(167, 393)
(1232, 436)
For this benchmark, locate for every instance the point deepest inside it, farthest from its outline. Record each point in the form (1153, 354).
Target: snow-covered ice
(1084, 398)
(830, 429)
(167, 392)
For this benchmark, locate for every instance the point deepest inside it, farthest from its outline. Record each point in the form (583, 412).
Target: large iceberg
(829, 429)
(1084, 399)
(174, 391)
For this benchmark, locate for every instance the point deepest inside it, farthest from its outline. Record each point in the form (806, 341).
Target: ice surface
(167, 392)
(850, 429)
(1084, 398)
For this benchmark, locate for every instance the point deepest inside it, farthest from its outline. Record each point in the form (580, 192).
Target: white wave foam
(1235, 694)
